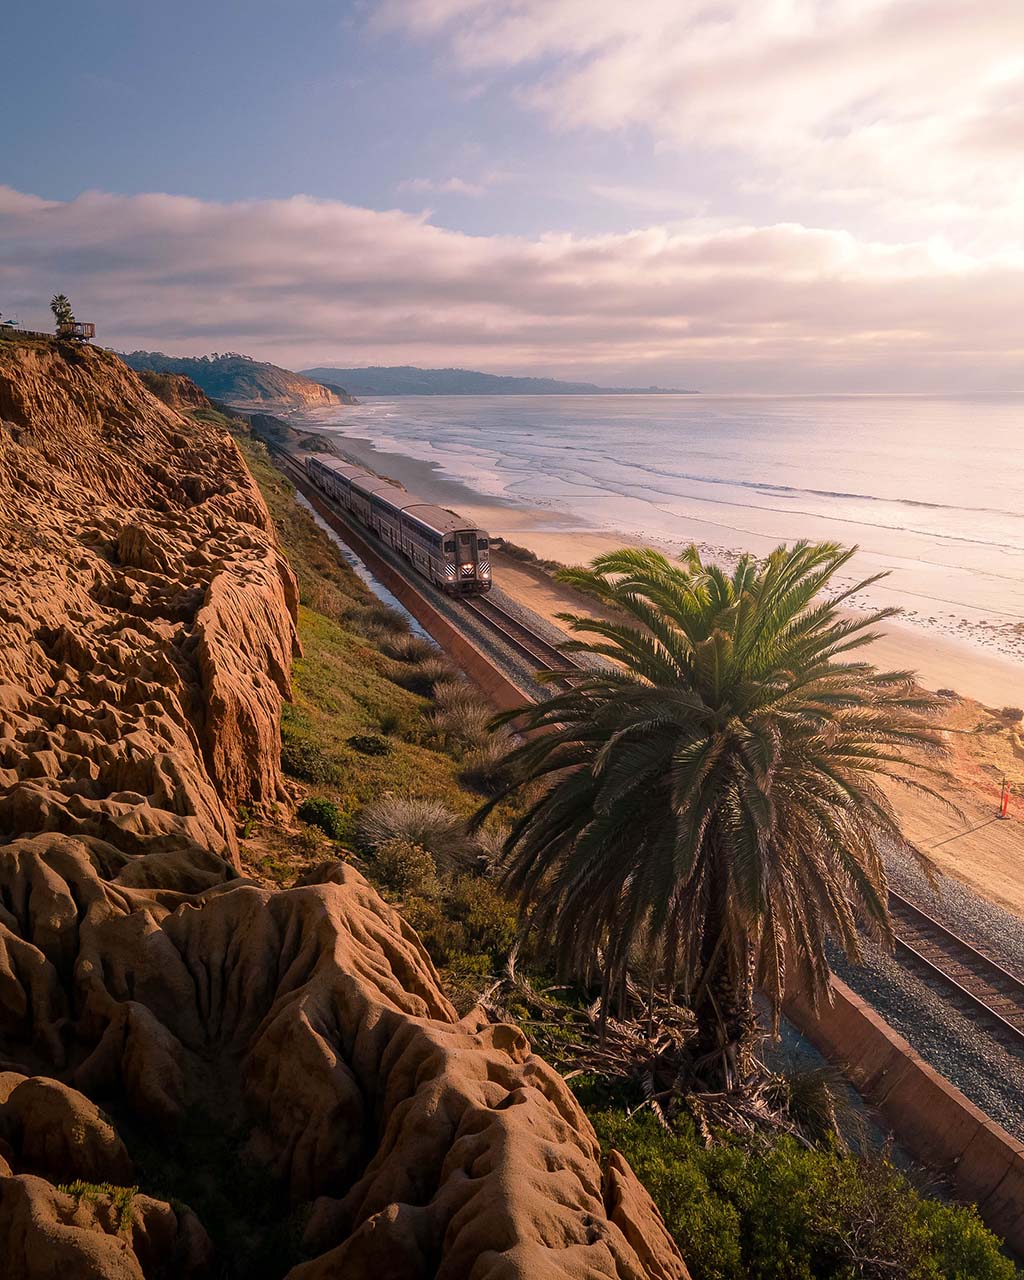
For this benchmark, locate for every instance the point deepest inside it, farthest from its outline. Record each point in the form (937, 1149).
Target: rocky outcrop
(147, 614)
(176, 390)
(243, 382)
(146, 987)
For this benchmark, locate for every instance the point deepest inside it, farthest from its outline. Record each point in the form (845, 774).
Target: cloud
(305, 281)
(446, 186)
(895, 106)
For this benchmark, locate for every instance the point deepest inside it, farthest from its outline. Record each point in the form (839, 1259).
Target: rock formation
(243, 382)
(145, 985)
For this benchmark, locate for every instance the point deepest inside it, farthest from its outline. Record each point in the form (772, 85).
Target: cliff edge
(153, 999)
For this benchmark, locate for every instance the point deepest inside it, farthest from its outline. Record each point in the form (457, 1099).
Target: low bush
(368, 744)
(427, 823)
(1012, 715)
(516, 552)
(780, 1211)
(489, 920)
(405, 867)
(326, 815)
(443, 937)
(303, 759)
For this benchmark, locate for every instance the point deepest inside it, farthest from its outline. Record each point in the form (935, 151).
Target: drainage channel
(360, 568)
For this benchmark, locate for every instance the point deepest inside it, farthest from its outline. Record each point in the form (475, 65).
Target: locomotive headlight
(467, 568)
(484, 571)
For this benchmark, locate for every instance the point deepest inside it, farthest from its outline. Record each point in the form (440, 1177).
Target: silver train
(440, 544)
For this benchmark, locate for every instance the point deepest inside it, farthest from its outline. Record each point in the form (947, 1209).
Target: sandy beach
(941, 659)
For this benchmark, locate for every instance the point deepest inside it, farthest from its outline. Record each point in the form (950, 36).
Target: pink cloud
(306, 281)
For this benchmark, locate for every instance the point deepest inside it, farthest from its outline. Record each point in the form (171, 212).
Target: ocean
(930, 489)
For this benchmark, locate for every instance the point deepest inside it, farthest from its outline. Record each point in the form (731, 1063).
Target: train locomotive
(440, 544)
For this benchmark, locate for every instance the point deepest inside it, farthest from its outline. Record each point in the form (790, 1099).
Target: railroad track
(523, 639)
(971, 977)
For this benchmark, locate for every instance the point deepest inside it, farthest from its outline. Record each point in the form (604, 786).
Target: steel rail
(974, 976)
(521, 637)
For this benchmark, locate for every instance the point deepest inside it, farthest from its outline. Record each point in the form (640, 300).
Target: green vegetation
(324, 814)
(121, 1198)
(405, 867)
(715, 812)
(775, 1210)
(62, 312)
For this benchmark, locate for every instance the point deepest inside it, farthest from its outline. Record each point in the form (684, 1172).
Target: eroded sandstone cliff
(147, 630)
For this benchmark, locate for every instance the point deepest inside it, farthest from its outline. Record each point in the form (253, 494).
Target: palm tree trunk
(724, 1009)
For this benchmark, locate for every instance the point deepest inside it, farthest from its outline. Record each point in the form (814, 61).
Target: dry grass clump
(486, 769)
(421, 677)
(409, 648)
(461, 727)
(461, 716)
(427, 823)
(377, 621)
(490, 841)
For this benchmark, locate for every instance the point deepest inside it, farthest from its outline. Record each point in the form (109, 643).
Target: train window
(449, 544)
(482, 543)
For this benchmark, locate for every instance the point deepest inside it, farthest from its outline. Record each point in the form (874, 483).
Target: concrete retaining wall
(931, 1118)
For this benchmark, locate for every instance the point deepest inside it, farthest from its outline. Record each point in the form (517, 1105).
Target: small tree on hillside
(62, 313)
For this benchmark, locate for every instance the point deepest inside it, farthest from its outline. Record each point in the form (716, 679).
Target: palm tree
(62, 313)
(711, 802)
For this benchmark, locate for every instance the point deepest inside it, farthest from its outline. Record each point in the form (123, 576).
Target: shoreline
(942, 660)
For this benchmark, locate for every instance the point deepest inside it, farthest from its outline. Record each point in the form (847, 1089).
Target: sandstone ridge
(146, 987)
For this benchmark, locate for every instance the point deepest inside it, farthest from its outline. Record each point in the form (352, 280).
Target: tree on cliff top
(711, 805)
(62, 313)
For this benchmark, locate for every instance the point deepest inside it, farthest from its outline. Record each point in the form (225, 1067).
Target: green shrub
(303, 759)
(489, 920)
(443, 937)
(369, 744)
(1012, 715)
(405, 867)
(121, 1198)
(778, 1211)
(326, 815)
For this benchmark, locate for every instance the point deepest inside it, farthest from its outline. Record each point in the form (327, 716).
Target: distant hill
(243, 382)
(406, 380)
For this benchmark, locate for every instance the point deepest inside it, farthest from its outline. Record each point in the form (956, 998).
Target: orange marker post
(1004, 800)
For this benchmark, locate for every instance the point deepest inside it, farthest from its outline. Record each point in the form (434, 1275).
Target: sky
(732, 195)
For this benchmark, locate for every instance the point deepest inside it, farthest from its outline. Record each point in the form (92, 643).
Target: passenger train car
(441, 544)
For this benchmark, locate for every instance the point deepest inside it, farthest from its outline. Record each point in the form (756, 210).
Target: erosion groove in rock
(145, 986)
(147, 614)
